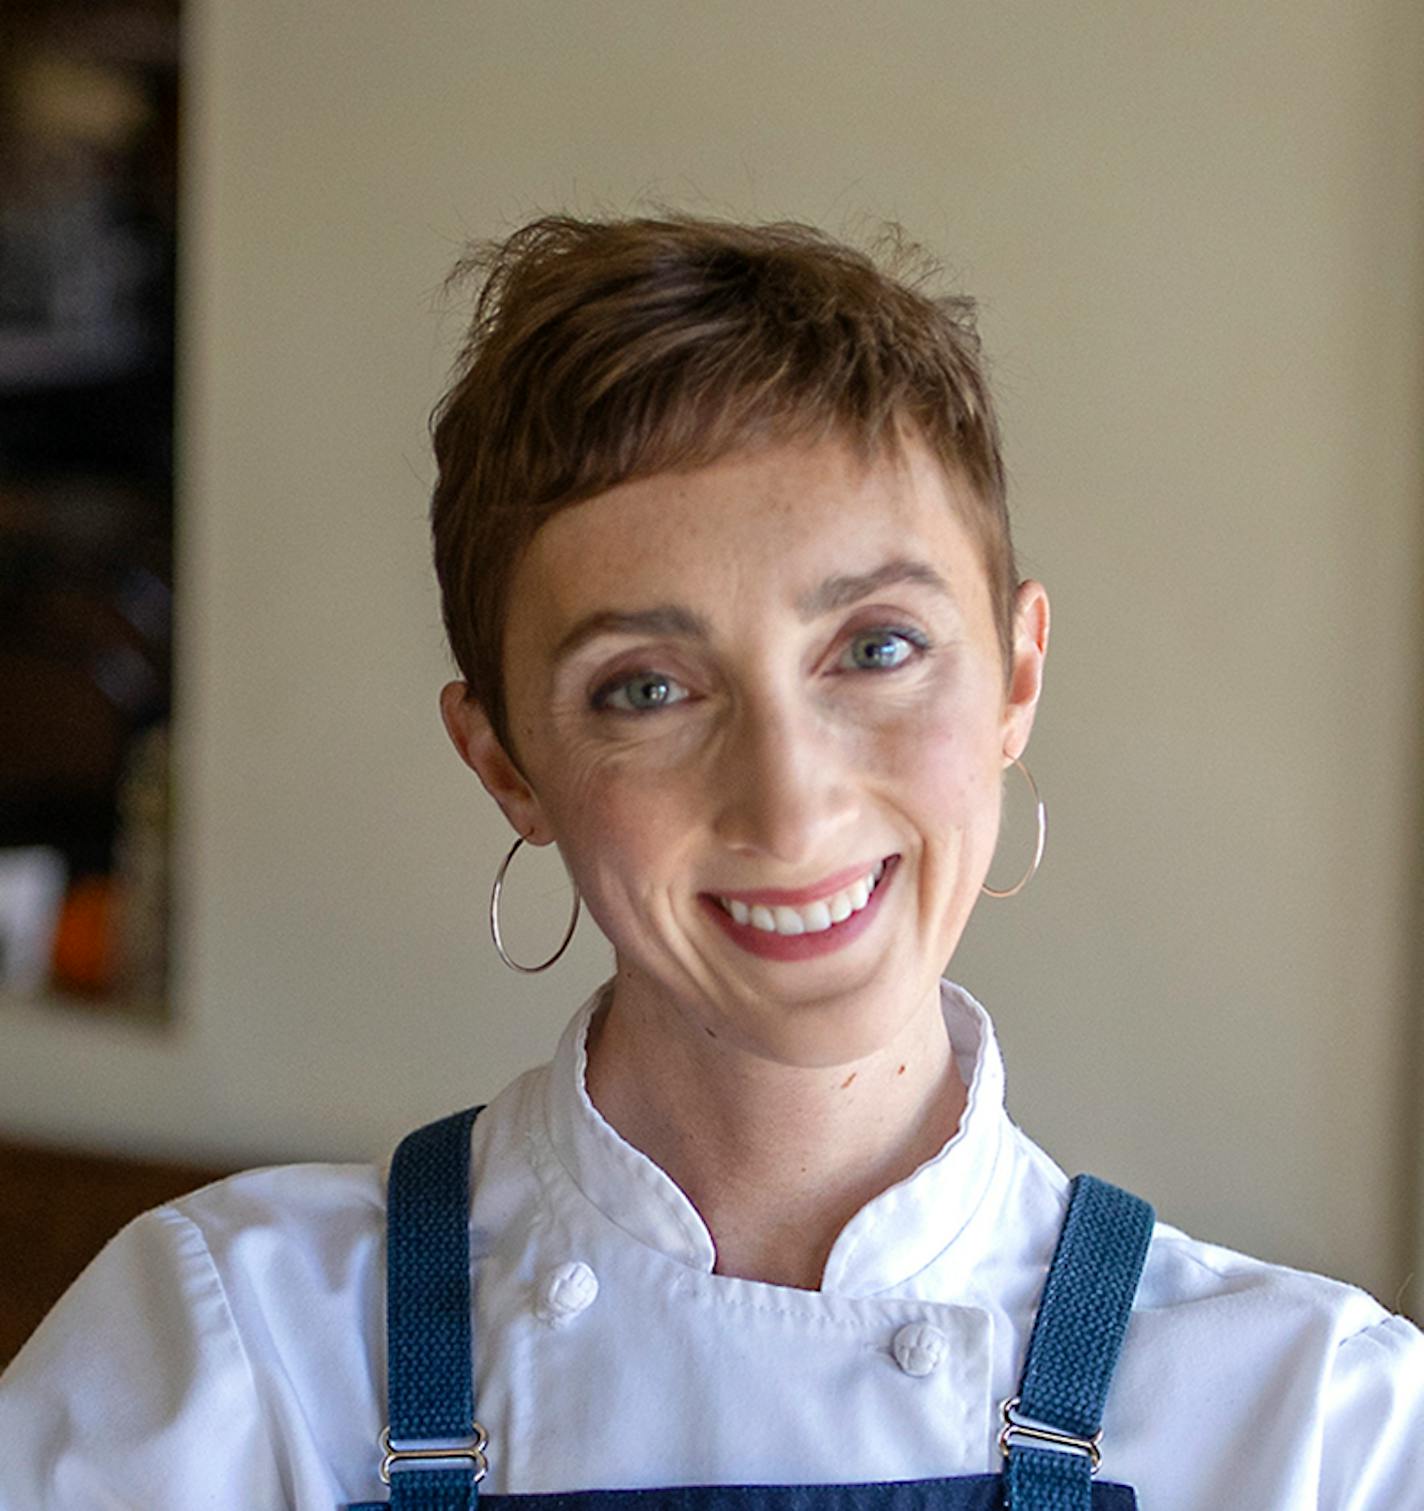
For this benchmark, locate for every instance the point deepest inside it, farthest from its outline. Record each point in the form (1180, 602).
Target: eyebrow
(667, 619)
(674, 621)
(841, 592)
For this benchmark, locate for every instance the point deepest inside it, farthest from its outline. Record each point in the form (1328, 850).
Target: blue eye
(883, 650)
(645, 692)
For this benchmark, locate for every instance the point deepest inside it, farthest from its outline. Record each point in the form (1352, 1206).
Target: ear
(1026, 674)
(472, 734)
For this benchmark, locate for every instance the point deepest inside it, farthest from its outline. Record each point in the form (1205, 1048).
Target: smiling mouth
(811, 917)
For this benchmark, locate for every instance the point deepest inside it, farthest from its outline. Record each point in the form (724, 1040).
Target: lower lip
(803, 946)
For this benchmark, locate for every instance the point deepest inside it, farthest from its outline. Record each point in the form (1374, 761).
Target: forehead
(753, 530)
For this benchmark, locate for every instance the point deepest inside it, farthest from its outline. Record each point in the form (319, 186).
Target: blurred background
(243, 878)
(88, 211)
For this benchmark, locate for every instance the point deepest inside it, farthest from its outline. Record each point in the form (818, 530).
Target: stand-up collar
(891, 1238)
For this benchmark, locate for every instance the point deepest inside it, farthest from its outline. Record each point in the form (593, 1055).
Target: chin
(816, 1030)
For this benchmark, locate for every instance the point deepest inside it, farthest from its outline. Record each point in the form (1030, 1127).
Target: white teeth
(814, 917)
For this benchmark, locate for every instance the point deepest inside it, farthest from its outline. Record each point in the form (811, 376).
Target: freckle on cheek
(901, 1071)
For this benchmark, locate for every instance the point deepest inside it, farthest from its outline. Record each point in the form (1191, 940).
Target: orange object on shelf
(86, 941)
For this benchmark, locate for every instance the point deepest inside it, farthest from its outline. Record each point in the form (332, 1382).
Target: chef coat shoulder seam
(1236, 1270)
(1386, 1333)
(190, 1236)
(1235, 1264)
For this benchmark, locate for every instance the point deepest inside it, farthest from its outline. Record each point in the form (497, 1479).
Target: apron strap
(429, 1348)
(1074, 1348)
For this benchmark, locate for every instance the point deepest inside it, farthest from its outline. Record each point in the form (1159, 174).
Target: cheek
(956, 789)
(946, 773)
(620, 836)
(948, 742)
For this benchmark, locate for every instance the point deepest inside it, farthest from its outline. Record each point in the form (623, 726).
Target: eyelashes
(643, 692)
(886, 649)
(880, 651)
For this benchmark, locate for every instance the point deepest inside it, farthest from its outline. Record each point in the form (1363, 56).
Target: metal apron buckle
(1017, 1428)
(474, 1451)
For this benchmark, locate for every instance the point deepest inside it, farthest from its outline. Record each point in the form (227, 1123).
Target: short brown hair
(601, 351)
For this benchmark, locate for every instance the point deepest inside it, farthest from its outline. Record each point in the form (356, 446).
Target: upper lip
(792, 897)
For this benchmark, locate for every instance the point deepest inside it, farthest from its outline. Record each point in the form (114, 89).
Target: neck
(776, 1158)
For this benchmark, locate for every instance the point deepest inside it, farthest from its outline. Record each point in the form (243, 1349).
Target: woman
(726, 569)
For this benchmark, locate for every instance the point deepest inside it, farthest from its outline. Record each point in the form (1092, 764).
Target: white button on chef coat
(919, 1349)
(228, 1350)
(566, 1290)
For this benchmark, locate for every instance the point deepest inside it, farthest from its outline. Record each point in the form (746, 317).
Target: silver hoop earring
(514, 965)
(1041, 813)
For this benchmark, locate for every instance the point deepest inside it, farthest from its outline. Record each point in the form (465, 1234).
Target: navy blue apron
(433, 1452)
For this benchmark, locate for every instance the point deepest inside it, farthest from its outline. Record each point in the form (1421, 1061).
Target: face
(761, 708)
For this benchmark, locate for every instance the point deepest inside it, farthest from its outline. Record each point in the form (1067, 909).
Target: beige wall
(1195, 232)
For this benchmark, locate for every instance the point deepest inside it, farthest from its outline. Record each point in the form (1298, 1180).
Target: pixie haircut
(602, 351)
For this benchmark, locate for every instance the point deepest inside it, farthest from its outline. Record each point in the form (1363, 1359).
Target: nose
(783, 786)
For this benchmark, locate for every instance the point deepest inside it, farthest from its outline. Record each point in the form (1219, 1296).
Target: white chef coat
(228, 1350)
